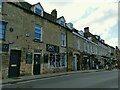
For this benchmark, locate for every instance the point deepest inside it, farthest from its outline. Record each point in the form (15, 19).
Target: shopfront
(54, 59)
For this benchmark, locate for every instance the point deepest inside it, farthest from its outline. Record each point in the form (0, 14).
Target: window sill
(57, 67)
(35, 40)
(2, 40)
(63, 46)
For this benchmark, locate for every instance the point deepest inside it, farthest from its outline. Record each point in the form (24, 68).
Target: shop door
(14, 63)
(78, 62)
(36, 66)
(75, 63)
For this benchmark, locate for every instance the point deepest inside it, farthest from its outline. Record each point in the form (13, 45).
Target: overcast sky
(101, 16)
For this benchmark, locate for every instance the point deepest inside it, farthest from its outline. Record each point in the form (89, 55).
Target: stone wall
(23, 22)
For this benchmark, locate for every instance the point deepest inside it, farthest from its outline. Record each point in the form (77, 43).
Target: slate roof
(25, 5)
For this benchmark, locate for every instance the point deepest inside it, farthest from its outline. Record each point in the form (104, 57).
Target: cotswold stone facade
(35, 42)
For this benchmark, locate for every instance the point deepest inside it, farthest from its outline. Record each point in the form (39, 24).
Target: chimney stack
(54, 13)
(86, 29)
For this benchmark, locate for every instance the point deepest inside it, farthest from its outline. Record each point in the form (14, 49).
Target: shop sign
(52, 48)
(5, 47)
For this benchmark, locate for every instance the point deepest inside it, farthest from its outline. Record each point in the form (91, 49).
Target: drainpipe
(67, 49)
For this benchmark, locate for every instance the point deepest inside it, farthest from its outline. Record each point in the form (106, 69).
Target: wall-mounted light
(11, 29)
(11, 42)
(27, 34)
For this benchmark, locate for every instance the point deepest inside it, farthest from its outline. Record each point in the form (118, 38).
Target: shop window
(45, 58)
(57, 60)
(28, 58)
(5, 47)
(54, 60)
(63, 60)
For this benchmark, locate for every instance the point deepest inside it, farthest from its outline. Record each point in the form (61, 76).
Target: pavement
(33, 77)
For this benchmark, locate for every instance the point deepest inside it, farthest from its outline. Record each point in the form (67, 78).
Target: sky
(101, 16)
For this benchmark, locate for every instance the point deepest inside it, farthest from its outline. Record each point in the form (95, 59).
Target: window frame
(78, 44)
(54, 57)
(62, 23)
(39, 32)
(63, 58)
(3, 32)
(63, 40)
(38, 11)
(85, 46)
(88, 48)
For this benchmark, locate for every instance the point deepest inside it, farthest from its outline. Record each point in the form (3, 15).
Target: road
(102, 79)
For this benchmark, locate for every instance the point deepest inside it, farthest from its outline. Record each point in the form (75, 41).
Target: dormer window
(38, 9)
(62, 23)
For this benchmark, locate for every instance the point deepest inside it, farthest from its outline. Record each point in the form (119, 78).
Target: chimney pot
(86, 29)
(54, 13)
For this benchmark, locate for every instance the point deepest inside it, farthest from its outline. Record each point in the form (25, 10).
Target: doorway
(14, 63)
(36, 65)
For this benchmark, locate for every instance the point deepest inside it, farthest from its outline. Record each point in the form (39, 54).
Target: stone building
(35, 42)
(32, 42)
(102, 52)
(117, 63)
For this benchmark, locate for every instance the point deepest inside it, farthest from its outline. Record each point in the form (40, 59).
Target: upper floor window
(38, 33)
(62, 23)
(78, 44)
(91, 49)
(2, 30)
(63, 40)
(38, 11)
(88, 48)
(96, 50)
(85, 46)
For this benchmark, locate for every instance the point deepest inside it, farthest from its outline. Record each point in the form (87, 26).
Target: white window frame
(65, 62)
(63, 40)
(62, 23)
(41, 33)
(40, 8)
(78, 44)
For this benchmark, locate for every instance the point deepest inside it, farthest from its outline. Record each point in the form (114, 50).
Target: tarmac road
(102, 79)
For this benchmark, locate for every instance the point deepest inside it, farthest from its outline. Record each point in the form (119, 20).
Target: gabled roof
(25, 5)
(49, 16)
(39, 4)
(61, 17)
(46, 15)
